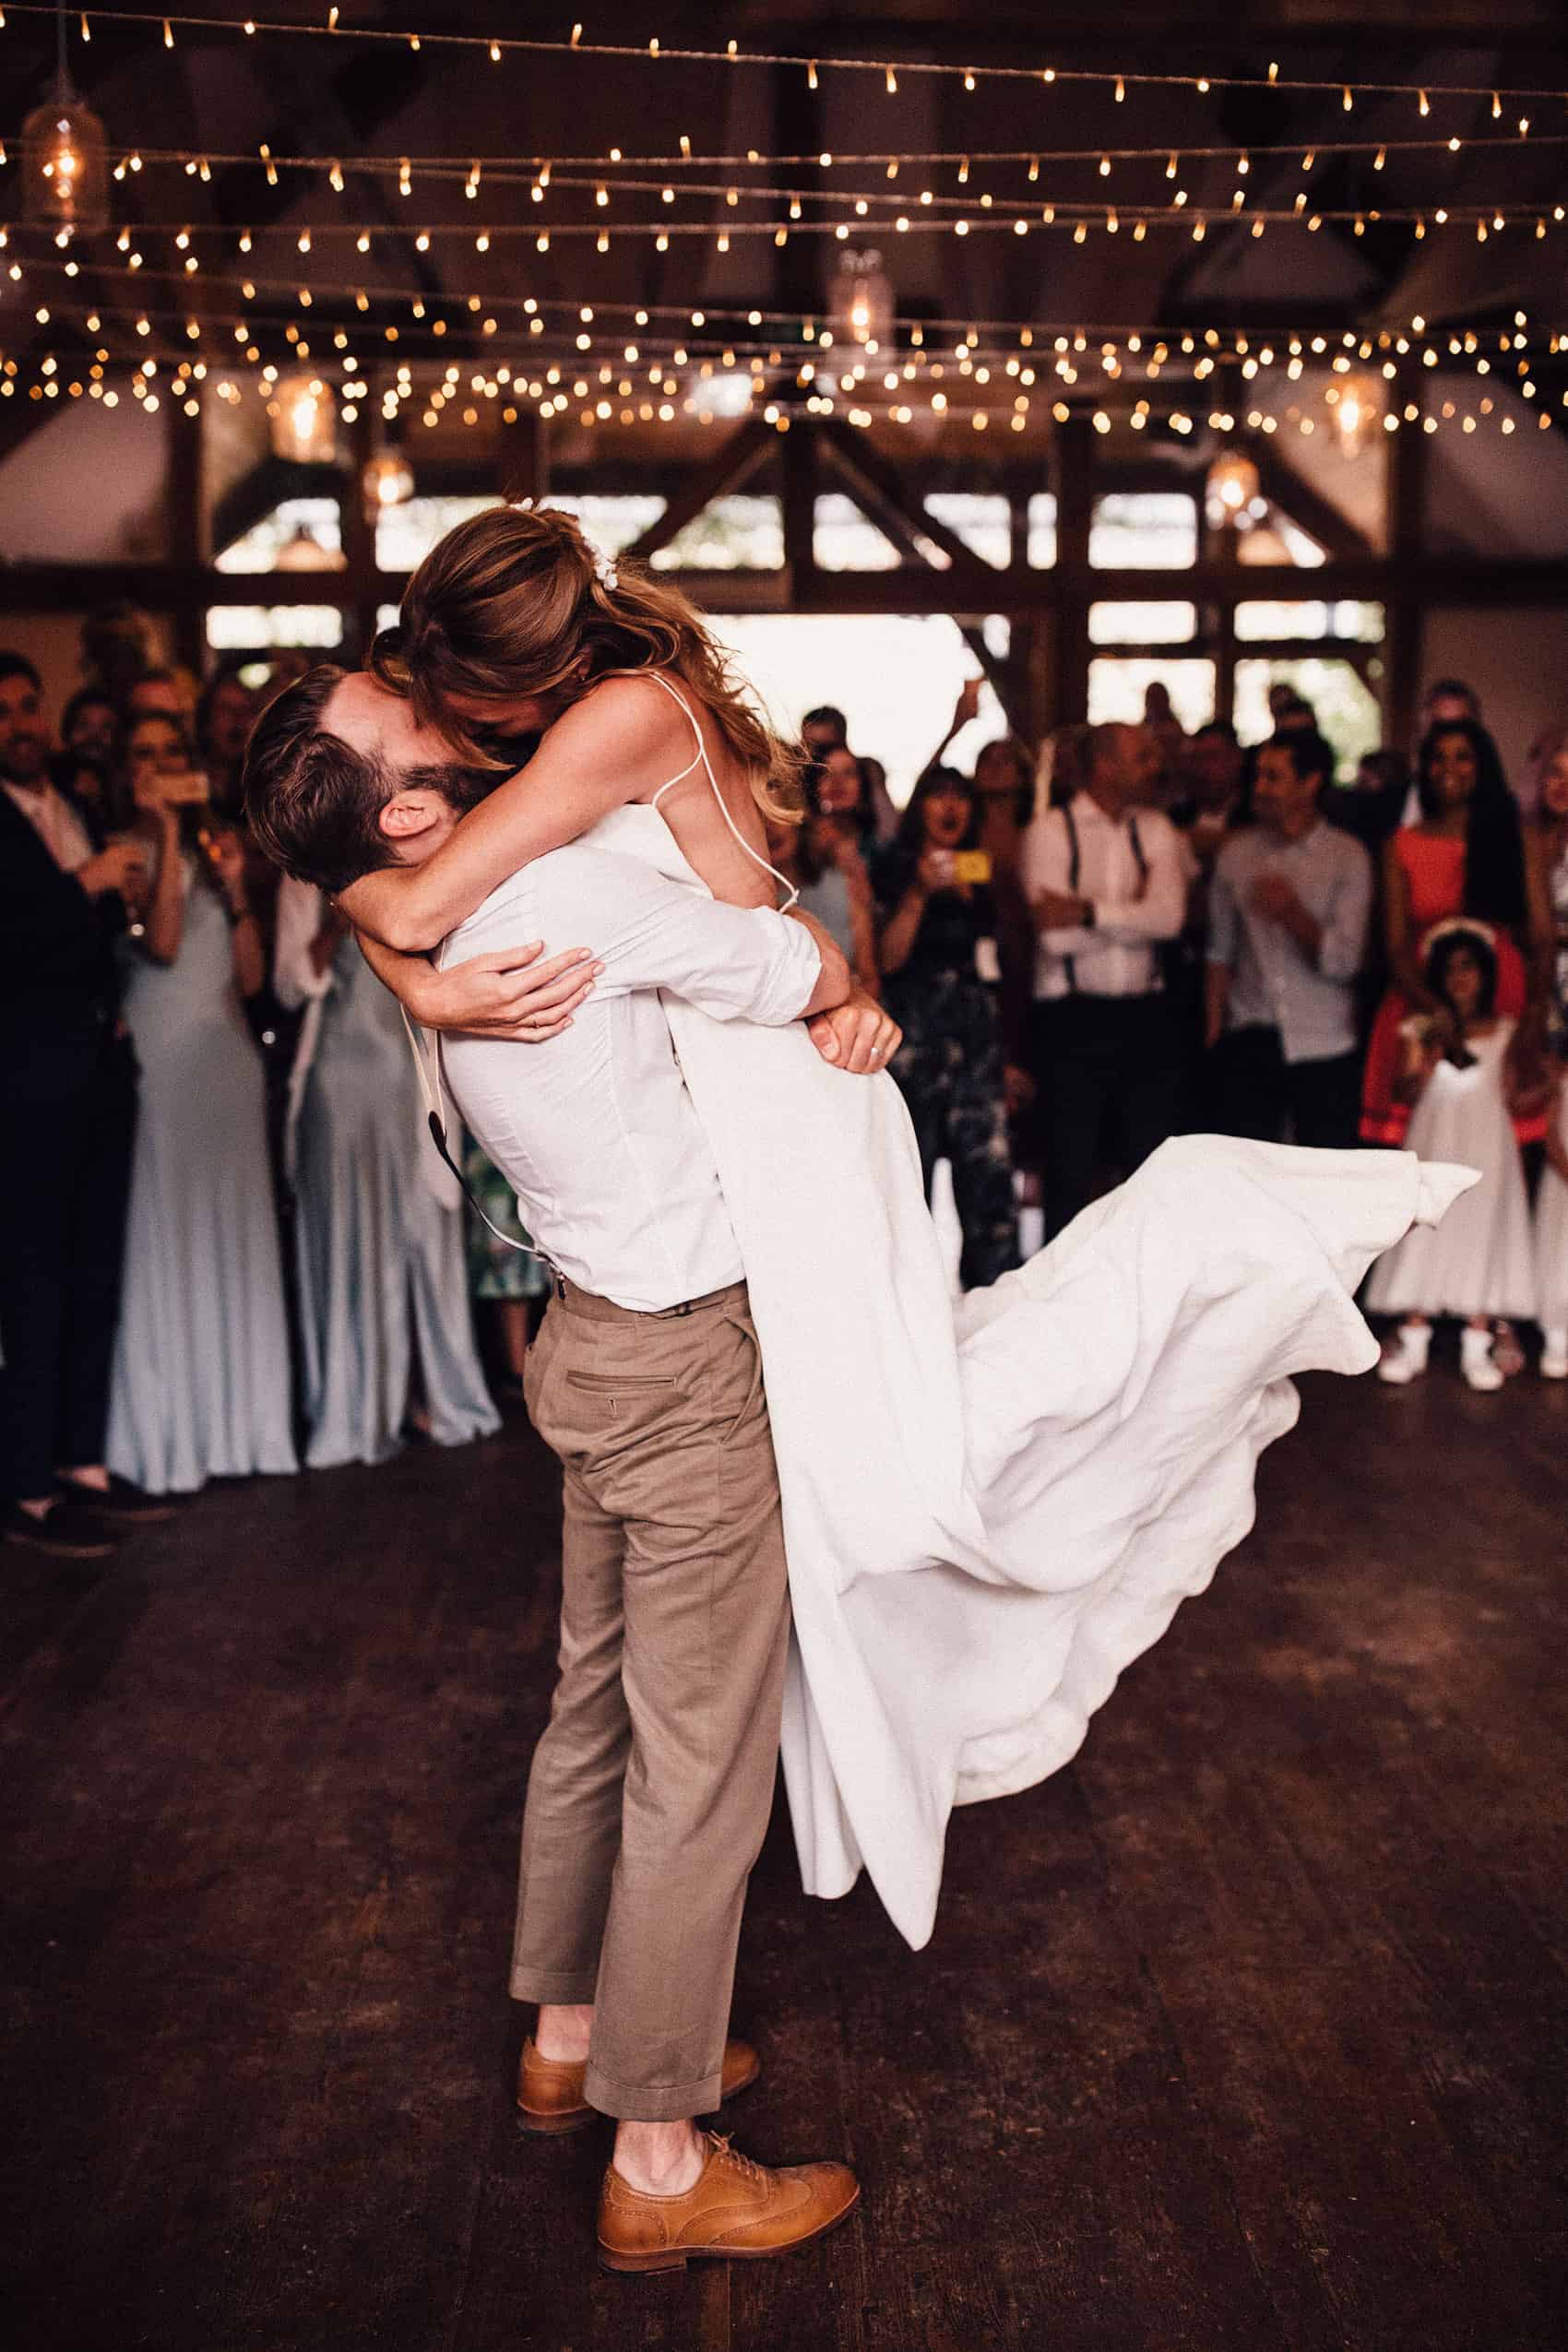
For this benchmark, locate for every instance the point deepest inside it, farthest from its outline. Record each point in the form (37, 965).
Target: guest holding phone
(200, 1385)
(942, 979)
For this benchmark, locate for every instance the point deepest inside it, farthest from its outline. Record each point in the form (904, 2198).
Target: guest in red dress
(1466, 856)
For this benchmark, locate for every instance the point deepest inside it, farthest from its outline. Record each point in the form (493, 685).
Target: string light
(655, 48)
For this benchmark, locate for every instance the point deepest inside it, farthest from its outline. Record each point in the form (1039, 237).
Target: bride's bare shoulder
(627, 715)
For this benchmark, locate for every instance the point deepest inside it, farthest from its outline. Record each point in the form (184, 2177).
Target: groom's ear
(407, 814)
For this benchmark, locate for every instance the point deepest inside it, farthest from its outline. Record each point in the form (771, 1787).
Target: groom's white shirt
(614, 1175)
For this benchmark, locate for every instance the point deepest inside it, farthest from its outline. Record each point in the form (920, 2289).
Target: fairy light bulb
(1230, 486)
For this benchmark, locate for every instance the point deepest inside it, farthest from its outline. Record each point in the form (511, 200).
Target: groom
(651, 1787)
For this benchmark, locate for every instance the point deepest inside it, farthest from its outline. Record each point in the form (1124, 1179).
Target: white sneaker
(1554, 1354)
(1407, 1359)
(1476, 1360)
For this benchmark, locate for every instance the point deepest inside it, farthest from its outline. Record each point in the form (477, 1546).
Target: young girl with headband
(513, 628)
(1466, 1074)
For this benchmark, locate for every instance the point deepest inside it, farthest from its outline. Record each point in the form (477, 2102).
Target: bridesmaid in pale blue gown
(382, 1276)
(200, 1385)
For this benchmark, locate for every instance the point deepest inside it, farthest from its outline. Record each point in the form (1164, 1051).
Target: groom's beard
(464, 787)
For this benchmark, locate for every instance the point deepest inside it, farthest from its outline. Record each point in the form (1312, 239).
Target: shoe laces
(722, 2145)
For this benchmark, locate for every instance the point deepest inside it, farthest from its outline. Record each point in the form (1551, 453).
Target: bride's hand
(857, 1036)
(506, 994)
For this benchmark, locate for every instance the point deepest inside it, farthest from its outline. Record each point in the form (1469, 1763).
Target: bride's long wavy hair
(515, 602)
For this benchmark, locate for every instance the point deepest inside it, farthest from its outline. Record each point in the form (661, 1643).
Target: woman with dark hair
(1462, 1069)
(1466, 856)
(941, 976)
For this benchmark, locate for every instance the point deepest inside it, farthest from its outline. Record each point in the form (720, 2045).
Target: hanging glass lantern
(1357, 405)
(861, 307)
(64, 167)
(1261, 544)
(305, 419)
(305, 552)
(1231, 487)
(387, 481)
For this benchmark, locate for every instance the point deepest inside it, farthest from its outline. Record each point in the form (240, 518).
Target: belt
(598, 1310)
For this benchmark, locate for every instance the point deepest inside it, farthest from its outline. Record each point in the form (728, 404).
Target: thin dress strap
(792, 895)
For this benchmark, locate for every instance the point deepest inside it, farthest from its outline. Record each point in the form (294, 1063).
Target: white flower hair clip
(604, 572)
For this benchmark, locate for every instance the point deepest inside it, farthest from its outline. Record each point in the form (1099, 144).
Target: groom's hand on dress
(856, 1036)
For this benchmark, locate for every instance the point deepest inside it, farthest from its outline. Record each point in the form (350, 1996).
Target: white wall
(1516, 660)
(88, 487)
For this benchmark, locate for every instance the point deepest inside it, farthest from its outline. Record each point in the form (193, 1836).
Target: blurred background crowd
(229, 1248)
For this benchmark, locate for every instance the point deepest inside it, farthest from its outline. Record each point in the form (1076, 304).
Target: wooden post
(358, 528)
(798, 450)
(1405, 460)
(524, 457)
(187, 530)
(1062, 696)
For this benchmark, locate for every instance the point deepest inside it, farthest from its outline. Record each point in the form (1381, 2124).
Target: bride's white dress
(991, 1510)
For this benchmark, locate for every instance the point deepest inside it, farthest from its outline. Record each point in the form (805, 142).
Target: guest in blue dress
(200, 1383)
(382, 1275)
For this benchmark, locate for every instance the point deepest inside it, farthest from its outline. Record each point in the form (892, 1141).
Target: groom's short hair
(313, 803)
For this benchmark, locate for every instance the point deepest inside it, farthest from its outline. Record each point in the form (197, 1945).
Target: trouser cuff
(651, 2102)
(557, 1987)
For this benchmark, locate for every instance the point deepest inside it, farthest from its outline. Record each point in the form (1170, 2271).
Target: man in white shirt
(1107, 878)
(1288, 931)
(650, 1790)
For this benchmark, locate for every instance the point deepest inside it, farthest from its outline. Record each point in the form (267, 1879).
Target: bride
(991, 1509)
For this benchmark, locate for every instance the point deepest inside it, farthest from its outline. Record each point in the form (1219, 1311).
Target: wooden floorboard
(1250, 2030)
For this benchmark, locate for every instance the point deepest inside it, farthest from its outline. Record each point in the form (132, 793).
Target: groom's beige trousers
(651, 1787)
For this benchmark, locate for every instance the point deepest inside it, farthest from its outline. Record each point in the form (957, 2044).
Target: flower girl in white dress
(1464, 1077)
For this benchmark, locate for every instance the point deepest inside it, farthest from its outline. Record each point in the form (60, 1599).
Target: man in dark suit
(68, 1077)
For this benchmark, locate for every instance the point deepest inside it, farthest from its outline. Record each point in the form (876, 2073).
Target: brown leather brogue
(737, 2211)
(549, 2090)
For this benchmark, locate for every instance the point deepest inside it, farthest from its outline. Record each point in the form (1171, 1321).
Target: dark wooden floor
(1246, 2032)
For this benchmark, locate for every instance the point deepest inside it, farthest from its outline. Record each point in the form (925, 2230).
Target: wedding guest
(225, 715)
(200, 1385)
(942, 979)
(385, 1323)
(1547, 843)
(1212, 800)
(168, 694)
(1451, 702)
(1464, 856)
(840, 791)
(1004, 790)
(821, 859)
(1461, 1067)
(1160, 717)
(70, 1091)
(1107, 879)
(1546, 847)
(1287, 923)
(89, 727)
(116, 641)
(884, 815)
(824, 729)
(1374, 807)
